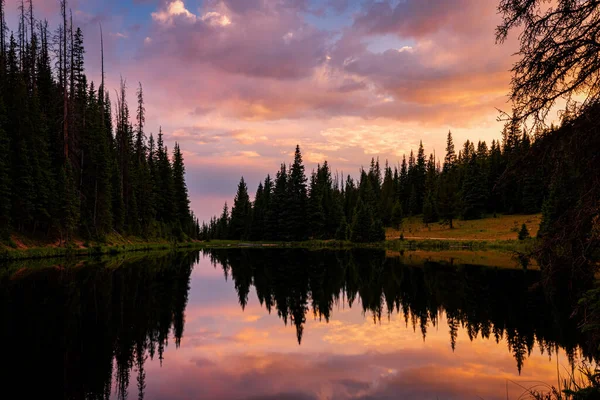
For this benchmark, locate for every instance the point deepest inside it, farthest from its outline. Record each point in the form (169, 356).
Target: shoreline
(41, 252)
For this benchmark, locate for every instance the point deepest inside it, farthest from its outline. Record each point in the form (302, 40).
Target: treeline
(69, 167)
(479, 180)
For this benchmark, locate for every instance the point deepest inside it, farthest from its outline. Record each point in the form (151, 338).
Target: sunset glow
(240, 82)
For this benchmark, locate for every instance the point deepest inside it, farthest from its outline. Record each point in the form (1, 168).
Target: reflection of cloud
(397, 375)
(231, 354)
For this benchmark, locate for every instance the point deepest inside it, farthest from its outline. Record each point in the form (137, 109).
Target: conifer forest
(74, 162)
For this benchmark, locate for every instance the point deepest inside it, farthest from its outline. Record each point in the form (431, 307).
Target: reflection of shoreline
(226, 356)
(82, 330)
(497, 303)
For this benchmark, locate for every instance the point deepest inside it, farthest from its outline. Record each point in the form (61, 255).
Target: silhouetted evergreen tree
(397, 215)
(473, 189)
(295, 221)
(5, 187)
(181, 203)
(274, 224)
(448, 187)
(360, 231)
(241, 213)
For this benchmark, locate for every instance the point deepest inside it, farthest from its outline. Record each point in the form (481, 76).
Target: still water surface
(281, 324)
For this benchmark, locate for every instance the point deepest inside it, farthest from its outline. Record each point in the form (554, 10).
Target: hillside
(503, 227)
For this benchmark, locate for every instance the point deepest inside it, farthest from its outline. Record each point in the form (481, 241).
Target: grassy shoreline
(41, 252)
(494, 233)
(514, 246)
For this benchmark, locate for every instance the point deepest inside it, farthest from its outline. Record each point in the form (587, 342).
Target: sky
(238, 83)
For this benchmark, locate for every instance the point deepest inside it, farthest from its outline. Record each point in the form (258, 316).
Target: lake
(287, 324)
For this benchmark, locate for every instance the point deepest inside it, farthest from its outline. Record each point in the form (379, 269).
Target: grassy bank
(494, 233)
(28, 248)
(501, 228)
(68, 251)
(390, 244)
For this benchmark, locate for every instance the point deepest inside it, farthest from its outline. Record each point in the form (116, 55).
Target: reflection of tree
(493, 303)
(67, 331)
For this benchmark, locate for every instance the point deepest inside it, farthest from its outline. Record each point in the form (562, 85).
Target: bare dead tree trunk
(2, 30)
(63, 5)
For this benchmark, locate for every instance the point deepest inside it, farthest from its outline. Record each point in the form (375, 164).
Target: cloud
(213, 18)
(119, 35)
(419, 18)
(246, 48)
(172, 10)
(233, 79)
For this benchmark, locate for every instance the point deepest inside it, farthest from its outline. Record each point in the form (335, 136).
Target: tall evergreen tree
(274, 223)
(241, 213)
(181, 202)
(297, 199)
(5, 184)
(448, 201)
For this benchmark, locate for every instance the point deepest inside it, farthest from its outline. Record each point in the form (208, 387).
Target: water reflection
(68, 332)
(101, 330)
(487, 302)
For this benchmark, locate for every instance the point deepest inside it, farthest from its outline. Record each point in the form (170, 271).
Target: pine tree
(419, 179)
(69, 211)
(181, 202)
(397, 215)
(388, 196)
(524, 232)
(274, 223)
(430, 213)
(473, 190)
(296, 227)
(164, 183)
(361, 223)
(259, 210)
(316, 213)
(448, 187)
(241, 213)
(342, 231)
(222, 230)
(5, 184)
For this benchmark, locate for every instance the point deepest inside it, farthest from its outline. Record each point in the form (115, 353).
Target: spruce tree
(524, 232)
(259, 209)
(222, 229)
(316, 213)
(342, 231)
(388, 196)
(241, 213)
(397, 215)
(296, 223)
(473, 190)
(274, 223)
(360, 231)
(448, 187)
(430, 212)
(181, 202)
(5, 184)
